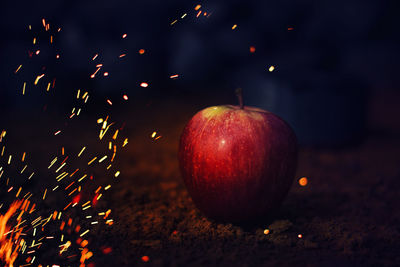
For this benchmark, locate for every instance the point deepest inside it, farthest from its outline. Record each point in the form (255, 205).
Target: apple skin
(237, 164)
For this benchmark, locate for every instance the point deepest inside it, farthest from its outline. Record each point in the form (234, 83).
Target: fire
(9, 240)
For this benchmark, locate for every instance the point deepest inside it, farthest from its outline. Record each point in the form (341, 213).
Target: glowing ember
(141, 51)
(145, 258)
(18, 69)
(266, 231)
(303, 181)
(144, 84)
(252, 49)
(10, 241)
(38, 78)
(234, 26)
(271, 68)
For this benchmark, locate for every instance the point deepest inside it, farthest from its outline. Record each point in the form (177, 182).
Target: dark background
(335, 81)
(328, 55)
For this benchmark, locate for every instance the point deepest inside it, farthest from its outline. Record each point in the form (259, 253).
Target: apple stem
(240, 97)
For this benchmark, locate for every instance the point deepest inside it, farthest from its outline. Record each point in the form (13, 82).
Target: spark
(122, 55)
(62, 166)
(95, 56)
(109, 102)
(300, 236)
(153, 134)
(125, 142)
(65, 246)
(18, 68)
(94, 74)
(271, 69)
(303, 181)
(145, 258)
(197, 7)
(144, 85)
(80, 153)
(83, 177)
(172, 23)
(105, 74)
(142, 51)
(124, 36)
(117, 174)
(90, 162)
(19, 191)
(102, 159)
(125, 97)
(74, 172)
(84, 233)
(234, 26)
(52, 162)
(174, 76)
(252, 49)
(184, 15)
(56, 133)
(24, 169)
(68, 186)
(84, 243)
(38, 78)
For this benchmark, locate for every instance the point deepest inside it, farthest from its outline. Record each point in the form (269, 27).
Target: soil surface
(347, 215)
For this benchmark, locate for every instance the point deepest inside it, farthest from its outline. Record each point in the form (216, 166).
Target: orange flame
(9, 241)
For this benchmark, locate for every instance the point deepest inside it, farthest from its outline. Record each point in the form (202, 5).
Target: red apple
(237, 162)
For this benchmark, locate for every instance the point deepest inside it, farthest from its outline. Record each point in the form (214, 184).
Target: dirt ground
(347, 215)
